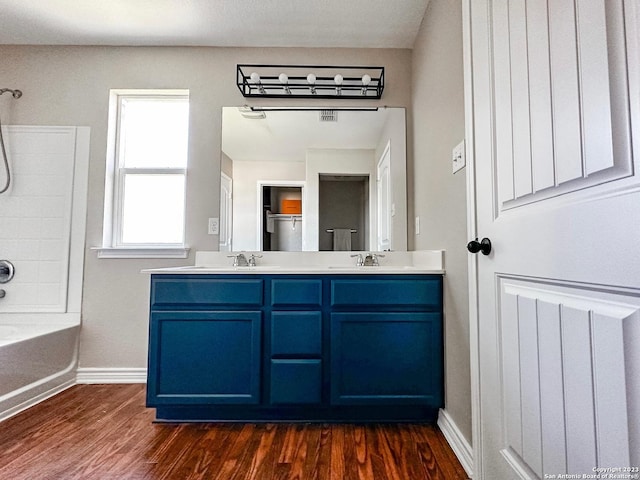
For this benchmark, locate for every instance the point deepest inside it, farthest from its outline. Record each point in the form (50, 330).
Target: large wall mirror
(313, 179)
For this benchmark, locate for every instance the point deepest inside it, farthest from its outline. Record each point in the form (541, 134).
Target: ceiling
(247, 23)
(286, 136)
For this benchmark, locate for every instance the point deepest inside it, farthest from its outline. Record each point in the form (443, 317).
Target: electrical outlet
(457, 155)
(214, 226)
(417, 225)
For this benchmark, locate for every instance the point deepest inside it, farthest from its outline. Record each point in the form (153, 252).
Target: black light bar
(310, 81)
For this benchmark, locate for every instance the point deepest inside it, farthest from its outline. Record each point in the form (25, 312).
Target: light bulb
(255, 78)
(311, 78)
(283, 78)
(338, 79)
(366, 79)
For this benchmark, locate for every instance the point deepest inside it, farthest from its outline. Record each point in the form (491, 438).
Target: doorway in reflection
(343, 217)
(281, 218)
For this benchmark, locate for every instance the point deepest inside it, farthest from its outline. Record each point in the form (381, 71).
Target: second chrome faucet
(370, 260)
(240, 260)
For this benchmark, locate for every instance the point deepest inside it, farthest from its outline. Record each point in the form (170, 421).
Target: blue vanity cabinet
(386, 341)
(205, 341)
(304, 347)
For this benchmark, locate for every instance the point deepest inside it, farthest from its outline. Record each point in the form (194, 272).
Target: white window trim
(111, 236)
(141, 252)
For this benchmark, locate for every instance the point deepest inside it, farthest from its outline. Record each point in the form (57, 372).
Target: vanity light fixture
(303, 81)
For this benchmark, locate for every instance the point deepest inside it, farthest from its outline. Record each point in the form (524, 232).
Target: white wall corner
(111, 375)
(460, 446)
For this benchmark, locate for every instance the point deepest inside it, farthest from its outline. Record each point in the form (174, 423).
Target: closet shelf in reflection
(272, 217)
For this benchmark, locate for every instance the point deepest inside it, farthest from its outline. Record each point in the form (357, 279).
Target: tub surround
(301, 337)
(417, 262)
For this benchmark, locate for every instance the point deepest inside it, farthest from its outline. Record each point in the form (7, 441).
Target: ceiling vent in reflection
(328, 115)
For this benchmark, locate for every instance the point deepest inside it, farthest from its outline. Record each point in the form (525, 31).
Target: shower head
(15, 93)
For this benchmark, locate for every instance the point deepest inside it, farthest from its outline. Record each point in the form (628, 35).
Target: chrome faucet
(359, 259)
(252, 259)
(371, 260)
(239, 260)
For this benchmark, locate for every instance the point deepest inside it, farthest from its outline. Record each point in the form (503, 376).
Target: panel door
(204, 358)
(386, 358)
(553, 127)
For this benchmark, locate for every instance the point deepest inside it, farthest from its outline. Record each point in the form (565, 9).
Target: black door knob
(484, 246)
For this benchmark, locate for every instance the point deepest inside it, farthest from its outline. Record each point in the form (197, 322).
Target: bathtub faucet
(7, 271)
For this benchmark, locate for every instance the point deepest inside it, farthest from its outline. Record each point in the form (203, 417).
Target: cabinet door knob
(484, 246)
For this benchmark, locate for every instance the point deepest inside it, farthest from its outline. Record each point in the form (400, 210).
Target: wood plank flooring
(104, 432)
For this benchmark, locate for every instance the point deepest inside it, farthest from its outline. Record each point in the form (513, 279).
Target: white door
(553, 127)
(226, 212)
(383, 217)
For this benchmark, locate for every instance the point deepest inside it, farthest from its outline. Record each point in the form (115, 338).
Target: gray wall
(439, 195)
(70, 86)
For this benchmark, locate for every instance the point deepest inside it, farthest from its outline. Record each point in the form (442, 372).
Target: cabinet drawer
(296, 292)
(296, 381)
(389, 292)
(206, 291)
(296, 333)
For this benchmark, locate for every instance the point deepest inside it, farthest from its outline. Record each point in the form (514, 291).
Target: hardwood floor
(104, 432)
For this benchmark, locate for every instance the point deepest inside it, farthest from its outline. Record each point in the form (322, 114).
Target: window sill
(142, 252)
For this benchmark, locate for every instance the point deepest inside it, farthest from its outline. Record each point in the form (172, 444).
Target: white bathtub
(36, 361)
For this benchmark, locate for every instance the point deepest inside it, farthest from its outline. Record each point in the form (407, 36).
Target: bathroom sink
(372, 268)
(226, 268)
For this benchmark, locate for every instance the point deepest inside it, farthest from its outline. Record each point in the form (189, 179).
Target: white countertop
(334, 263)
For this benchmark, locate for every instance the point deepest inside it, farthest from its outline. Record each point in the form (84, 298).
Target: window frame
(113, 245)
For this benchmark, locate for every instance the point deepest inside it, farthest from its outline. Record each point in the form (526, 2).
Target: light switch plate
(214, 226)
(458, 157)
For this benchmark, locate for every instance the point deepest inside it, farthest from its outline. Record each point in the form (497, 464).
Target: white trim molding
(472, 232)
(142, 252)
(456, 440)
(111, 375)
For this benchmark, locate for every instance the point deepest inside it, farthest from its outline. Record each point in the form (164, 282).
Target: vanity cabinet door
(204, 358)
(386, 358)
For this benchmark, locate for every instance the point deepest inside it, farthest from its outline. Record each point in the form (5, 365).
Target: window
(146, 173)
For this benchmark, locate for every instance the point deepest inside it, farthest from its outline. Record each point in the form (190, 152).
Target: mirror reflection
(313, 179)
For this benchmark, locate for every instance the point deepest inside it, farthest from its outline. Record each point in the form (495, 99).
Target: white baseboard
(458, 443)
(111, 375)
(54, 390)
